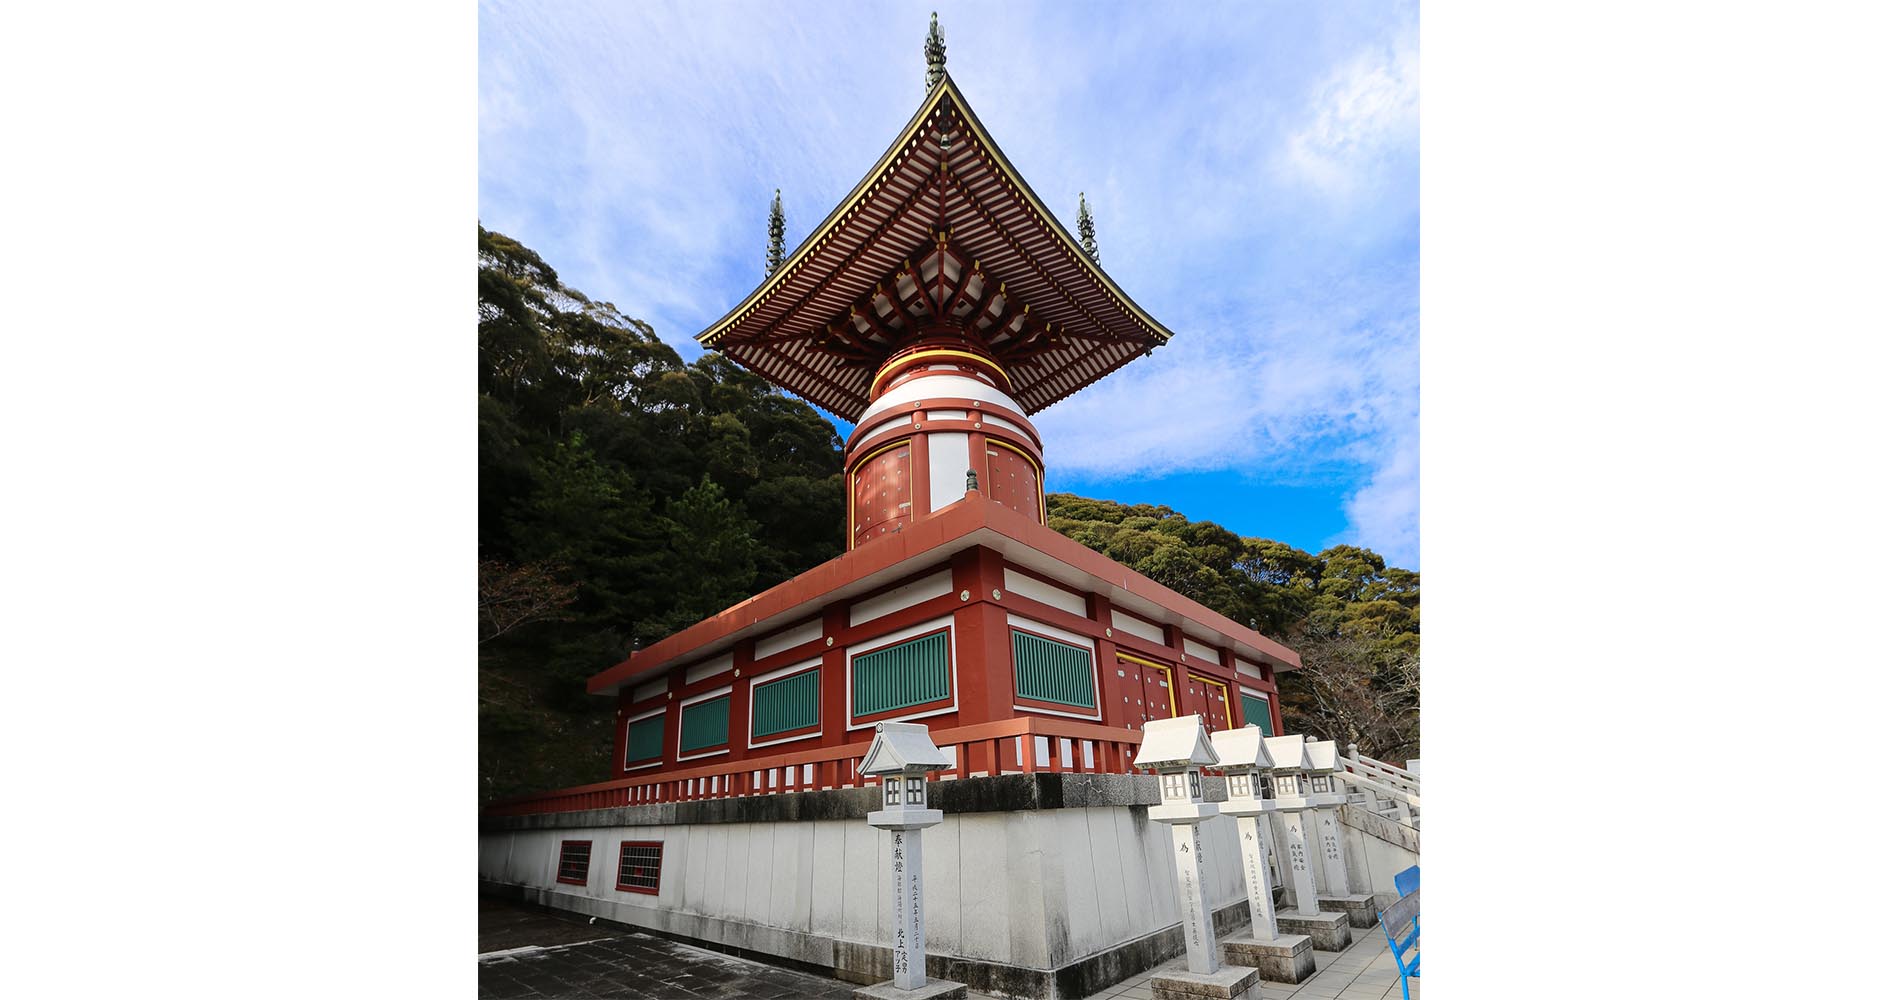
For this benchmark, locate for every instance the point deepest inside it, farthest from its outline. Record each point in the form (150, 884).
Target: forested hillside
(626, 494)
(1353, 620)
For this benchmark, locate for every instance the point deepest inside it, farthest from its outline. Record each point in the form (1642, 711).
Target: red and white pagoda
(941, 306)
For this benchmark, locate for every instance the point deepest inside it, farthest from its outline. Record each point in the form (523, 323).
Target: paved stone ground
(526, 952)
(1364, 971)
(530, 953)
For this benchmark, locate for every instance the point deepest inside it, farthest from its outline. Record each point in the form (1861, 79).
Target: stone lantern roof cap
(1240, 749)
(1324, 756)
(1177, 742)
(902, 748)
(1288, 753)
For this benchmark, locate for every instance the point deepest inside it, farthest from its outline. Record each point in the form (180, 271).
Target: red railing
(1012, 746)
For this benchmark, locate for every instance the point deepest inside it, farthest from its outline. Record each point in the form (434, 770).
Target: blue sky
(1253, 171)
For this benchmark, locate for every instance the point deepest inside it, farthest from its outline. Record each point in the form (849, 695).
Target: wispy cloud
(1364, 123)
(1253, 170)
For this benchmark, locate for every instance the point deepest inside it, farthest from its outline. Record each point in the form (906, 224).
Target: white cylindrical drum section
(962, 398)
(945, 386)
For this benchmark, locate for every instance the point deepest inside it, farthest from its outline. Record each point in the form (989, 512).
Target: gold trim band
(942, 352)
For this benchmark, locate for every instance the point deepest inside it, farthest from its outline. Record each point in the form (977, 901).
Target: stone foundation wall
(1034, 885)
(1377, 848)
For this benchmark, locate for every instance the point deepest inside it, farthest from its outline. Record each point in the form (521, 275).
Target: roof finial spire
(933, 55)
(775, 236)
(1085, 231)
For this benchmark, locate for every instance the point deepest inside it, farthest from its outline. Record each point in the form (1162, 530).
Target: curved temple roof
(942, 234)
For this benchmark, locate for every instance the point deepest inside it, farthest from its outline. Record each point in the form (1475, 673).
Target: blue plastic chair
(1400, 923)
(1406, 881)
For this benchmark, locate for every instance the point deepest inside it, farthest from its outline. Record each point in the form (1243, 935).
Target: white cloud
(1253, 173)
(1362, 115)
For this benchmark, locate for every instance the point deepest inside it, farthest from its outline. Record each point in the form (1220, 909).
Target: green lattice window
(703, 724)
(910, 673)
(1047, 670)
(1256, 711)
(784, 705)
(643, 739)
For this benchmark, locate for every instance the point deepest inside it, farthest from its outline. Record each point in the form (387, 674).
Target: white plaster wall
(1034, 889)
(797, 635)
(939, 386)
(718, 666)
(914, 593)
(651, 689)
(1135, 626)
(1372, 862)
(1036, 590)
(949, 466)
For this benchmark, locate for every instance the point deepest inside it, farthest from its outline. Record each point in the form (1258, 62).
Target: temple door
(1207, 699)
(1156, 699)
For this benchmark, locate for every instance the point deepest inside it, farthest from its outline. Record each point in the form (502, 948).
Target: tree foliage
(624, 494)
(1353, 620)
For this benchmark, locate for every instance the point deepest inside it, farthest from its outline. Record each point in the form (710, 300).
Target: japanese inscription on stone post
(900, 943)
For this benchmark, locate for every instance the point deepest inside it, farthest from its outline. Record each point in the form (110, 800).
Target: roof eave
(707, 338)
(932, 538)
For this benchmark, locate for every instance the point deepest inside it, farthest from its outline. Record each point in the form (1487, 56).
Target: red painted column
(739, 707)
(670, 732)
(984, 689)
(980, 464)
(1273, 703)
(1119, 706)
(831, 681)
(919, 480)
(1177, 672)
(616, 766)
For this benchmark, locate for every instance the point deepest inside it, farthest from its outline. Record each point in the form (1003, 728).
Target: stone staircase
(1380, 789)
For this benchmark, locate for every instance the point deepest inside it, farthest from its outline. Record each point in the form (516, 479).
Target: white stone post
(1197, 914)
(901, 757)
(907, 908)
(1299, 873)
(1292, 799)
(1255, 857)
(1332, 854)
(1325, 794)
(1280, 958)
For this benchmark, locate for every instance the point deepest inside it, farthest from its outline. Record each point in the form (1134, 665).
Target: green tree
(1353, 620)
(640, 492)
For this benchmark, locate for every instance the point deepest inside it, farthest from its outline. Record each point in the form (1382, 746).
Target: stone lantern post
(1178, 749)
(900, 756)
(1327, 795)
(1291, 797)
(1281, 959)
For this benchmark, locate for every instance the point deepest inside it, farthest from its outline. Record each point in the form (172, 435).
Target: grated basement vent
(639, 867)
(574, 857)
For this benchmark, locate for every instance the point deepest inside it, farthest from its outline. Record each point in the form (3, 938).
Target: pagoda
(940, 307)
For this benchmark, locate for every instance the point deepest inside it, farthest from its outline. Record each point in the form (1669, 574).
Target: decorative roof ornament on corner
(1085, 230)
(934, 54)
(775, 236)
